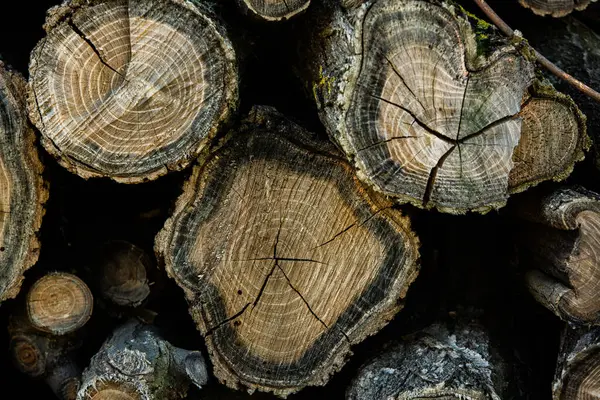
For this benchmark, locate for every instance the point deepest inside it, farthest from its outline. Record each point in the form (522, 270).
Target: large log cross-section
(285, 258)
(131, 89)
(434, 107)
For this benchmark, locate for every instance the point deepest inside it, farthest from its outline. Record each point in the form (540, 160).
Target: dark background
(468, 262)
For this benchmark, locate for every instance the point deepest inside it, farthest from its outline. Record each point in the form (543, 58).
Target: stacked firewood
(404, 136)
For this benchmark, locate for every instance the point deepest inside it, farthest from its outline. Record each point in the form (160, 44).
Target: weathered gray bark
(560, 244)
(44, 356)
(435, 107)
(578, 365)
(439, 362)
(136, 363)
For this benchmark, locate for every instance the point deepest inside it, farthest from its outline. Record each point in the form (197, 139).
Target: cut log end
(131, 90)
(22, 189)
(27, 355)
(275, 10)
(555, 8)
(578, 365)
(564, 247)
(122, 273)
(59, 303)
(110, 390)
(439, 107)
(285, 258)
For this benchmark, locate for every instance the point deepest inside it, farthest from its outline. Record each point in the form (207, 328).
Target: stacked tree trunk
(290, 246)
(22, 189)
(436, 109)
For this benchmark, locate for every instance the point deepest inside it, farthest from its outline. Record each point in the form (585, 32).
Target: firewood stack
(360, 199)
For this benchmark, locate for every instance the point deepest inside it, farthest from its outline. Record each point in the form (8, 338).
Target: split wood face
(276, 10)
(436, 109)
(22, 190)
(555, 8)
(285, 259)
(59, 303)
(130, 89)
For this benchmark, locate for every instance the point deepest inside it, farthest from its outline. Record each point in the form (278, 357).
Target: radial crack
(487, 127)
(282, 259)
(349, 227)
(403, 81)
(264, 285)
(225, 321)
(433, 174)
(83, 36)
(421, 124)
(306, 302)
(386, 141)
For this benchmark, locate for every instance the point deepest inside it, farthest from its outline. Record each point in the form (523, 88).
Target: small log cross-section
(121, 273)
(285, 259)
(555, 8)
(274, 10)
(578, 368)
(562, 245)
(22, 189)
(59, 303)
(45, 356)
(435, 108)
(437, 363)
(135, 363)
(130, 89)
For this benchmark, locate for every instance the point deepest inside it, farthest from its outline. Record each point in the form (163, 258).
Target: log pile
(360, 199)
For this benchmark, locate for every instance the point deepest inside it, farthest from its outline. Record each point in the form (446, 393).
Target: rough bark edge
(555, 210)
(545, 90)
(59, 14)
(575, 344)
(556, 14)
(247, 9)
(261, 117)
(17, 86)
(442, 335)
(331, 80)
(333, 88)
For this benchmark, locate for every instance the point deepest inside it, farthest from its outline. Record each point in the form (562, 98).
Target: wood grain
(22, 188)
(130, 89)
(59, 303)
(434, 107)
(286, 260)
(562, 247)
(274, 10)
(578, 368)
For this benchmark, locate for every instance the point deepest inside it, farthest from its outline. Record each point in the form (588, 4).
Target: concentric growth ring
(131, 89)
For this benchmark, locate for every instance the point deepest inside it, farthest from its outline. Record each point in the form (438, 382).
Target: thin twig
(507, 30)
